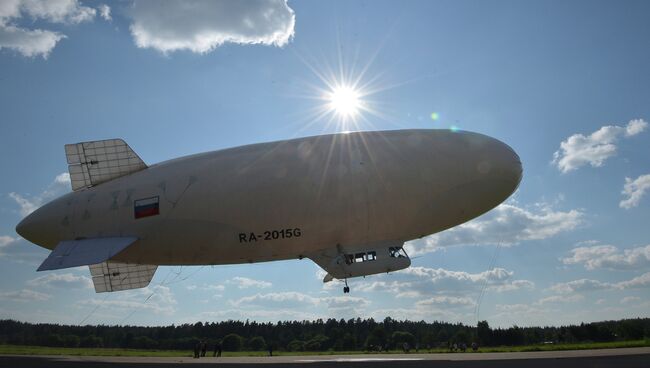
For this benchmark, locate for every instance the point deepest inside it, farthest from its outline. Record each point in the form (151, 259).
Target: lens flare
(345, 101)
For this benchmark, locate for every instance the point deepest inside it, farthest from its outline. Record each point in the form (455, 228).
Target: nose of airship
(500, 162)
(40, 227)
(488, 172)
(23, 228)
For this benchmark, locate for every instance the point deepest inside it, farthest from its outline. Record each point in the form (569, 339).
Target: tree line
(318, 335)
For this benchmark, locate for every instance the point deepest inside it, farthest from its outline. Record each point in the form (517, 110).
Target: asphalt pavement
(615, 358)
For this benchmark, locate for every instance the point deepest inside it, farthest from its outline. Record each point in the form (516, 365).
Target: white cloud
(634, 191)
(245, 283)
(29, 204)
(421, 281)
(105, 12)
(28, 42)
(560, 299)
(66, 280)
(157, 299)
(345, 306)
(446, 301)
(38, 42)
(586, 285)
(581, 285)
(18, 250)
(630, 300)
(57, 11)
(202, 25)
(507, 224)
(297, 302)
(638, 282)
(257, 314)
(6, 240)
(420, 313)
(579, 150)
(24, 295)
(513, 285)
(610, 257)
(286, 299)
(63, 178)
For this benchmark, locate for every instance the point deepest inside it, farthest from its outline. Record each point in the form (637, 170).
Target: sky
(563, 83)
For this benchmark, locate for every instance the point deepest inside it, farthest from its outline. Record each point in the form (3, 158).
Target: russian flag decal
(146, 207)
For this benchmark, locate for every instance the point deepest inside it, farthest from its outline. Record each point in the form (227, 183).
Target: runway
(629, 358)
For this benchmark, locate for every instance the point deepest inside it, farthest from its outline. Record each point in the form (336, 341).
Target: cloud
(66, 281)
(24, 295)
(63, 179)
(634, 191)
(581, 285)
(560, 299)
(610, 257)
(285, 299)
(586, 285)
(17, 250)
(630, 300)
(513, 285)
(422, 281)
(446, 301)
(28, 42)
(339, 306)
(29, 204)
(202, 25)
(6, 240)
(206, 287)
(105, 12)
(245, 283)
(506, 224)
(258, 315)
(420, 313)
(38, 42)
(638, 282)
(579, 150)
(157, 299)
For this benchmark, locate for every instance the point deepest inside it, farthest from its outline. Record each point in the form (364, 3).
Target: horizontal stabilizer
(96, 162)
(73, 253)
(113, 276)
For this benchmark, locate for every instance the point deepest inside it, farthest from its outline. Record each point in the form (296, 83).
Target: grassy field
(42, 350)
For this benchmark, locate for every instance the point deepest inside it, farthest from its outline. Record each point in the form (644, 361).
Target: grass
(43, 350)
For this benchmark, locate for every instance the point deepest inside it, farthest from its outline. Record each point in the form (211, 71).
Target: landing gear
(346, 288)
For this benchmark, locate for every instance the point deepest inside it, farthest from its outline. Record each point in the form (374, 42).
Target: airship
(346, 201)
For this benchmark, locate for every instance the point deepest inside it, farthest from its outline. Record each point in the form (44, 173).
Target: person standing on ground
(217, 349)
(196, 350)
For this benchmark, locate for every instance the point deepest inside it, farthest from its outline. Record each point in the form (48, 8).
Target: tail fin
(113, 276)
(96, 162)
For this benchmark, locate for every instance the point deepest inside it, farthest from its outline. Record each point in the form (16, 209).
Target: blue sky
(563, 83)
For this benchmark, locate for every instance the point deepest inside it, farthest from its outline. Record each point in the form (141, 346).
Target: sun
(345, 101)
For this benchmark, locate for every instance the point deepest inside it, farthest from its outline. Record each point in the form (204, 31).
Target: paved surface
(618, 358)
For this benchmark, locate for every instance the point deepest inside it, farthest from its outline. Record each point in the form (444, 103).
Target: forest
(318, 335)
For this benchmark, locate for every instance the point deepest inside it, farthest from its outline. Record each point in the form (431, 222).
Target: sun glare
(345, 101)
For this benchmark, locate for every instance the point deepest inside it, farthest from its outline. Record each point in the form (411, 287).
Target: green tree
(296, 345)
(71, 341)
(484, 333)
(401, 337)
(257, 343)
(377, 337)
(232, 342)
